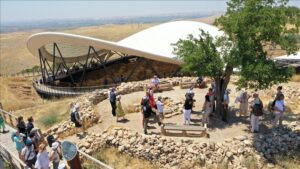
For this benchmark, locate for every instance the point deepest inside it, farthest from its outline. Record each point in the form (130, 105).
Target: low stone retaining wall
(167, 153)
(90, 117)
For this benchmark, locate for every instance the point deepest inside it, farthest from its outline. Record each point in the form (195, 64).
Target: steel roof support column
(138, 61)
(150, 65)
(85, 66)
(104, 67)
(41, 65)
(64, 64)
(53, 64)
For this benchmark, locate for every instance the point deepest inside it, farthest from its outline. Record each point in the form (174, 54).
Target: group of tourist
(277, 108)
(31, 148)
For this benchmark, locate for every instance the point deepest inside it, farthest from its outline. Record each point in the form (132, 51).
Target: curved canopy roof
(153, 43)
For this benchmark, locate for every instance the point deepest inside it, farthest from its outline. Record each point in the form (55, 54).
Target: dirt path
(218, 132)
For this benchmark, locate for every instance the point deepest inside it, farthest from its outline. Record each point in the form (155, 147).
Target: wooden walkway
(8, 148)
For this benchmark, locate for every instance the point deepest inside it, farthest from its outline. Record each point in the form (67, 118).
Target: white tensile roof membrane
(153, 43)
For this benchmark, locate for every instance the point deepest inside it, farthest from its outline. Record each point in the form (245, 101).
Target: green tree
(250, 26)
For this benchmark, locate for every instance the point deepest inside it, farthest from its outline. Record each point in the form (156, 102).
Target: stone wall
(142, 71)
(89, 116)
(167, 153)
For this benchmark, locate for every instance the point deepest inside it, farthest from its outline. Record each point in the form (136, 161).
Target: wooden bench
(185, 85)
(184, 129)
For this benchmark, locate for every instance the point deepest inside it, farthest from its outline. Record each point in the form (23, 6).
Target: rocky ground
(229, 143)
(167, 153)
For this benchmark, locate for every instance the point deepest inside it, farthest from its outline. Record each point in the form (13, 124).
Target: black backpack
(258, 109)
(73, 118)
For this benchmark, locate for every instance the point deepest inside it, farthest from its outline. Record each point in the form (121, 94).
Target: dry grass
(15, 57)
(48, 113)
(18, 93)
(288, 162)
(295, 78)
(118, 160)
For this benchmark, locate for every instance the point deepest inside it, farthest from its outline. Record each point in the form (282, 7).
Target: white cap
(55, 145)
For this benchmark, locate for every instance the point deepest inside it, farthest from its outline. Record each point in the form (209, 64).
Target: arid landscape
(125, 139)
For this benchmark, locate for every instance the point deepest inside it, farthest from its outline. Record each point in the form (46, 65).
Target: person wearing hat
(28, 154)
(119, 112)
(54, 155)
(42, 160)
(112, 100)
(257, 111)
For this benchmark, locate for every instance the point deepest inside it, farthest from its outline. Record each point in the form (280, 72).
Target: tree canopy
(249, 26)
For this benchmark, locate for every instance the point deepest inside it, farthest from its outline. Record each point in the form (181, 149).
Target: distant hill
(15, 57)
(53, 25)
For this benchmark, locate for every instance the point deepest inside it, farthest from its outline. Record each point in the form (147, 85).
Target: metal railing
(66, 91)
(13, 160)
(11, 120)
(95, 164)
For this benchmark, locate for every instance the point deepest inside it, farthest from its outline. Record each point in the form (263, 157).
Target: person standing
(18, 139)
(148, 113)
(120, 111)
(150, 96)
(244, 103)
(21, 126)
(257, 111)
(155, 82)
(160, 108)
(54, 155)
(225, 106)
(187, 109)
(211, 95)
(42, 160)
(207, 109)
(29, 125)
(2, 124)
(279, 110)
(28, 154)
(112, 99)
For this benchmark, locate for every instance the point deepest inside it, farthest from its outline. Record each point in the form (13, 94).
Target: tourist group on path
(32, 150)
(152, 109)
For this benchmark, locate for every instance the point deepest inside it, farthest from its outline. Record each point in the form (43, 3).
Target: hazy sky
(12, 10)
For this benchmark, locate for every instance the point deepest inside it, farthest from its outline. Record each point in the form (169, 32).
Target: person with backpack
(147, 113)
(75, 118)
(257, 111)
(112, 100)
(28, 154)
(279, 110)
